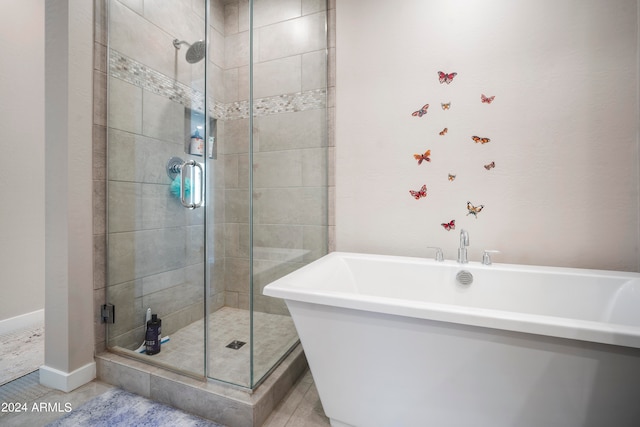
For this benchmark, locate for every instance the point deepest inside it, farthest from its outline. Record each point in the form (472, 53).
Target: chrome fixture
(191, 204)
(196, 51)
(439, 255)
(176, 166)
(173, 167)
(462, 251)
(486, 256)
(464, 277)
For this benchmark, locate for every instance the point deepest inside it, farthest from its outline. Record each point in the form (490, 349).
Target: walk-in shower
(243, 125)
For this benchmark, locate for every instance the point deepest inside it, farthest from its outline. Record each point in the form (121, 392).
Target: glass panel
(156, 251)
(229, 240)
(289, 162)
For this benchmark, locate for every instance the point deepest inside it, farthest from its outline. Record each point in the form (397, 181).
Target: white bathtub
(397, 342)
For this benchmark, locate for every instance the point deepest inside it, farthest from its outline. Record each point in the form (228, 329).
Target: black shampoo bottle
(153, 335)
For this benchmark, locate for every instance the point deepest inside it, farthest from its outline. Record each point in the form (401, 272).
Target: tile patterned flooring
(21, 352)
(300, 408)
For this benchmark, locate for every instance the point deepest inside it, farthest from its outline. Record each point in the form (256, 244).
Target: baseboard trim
(16, 323)
(54, 378)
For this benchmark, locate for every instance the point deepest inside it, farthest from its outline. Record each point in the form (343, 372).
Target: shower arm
(177, 43)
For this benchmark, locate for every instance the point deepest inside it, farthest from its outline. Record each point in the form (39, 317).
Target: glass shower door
(157, 159)
(270, 183)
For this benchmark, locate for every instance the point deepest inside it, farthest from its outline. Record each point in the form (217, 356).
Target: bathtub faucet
(439, 254)
(462, 251)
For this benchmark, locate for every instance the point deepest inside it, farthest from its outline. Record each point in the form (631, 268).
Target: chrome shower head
(196, 51)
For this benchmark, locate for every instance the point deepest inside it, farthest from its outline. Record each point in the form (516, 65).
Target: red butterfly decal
(490, 166)
(449, 225)
(451, 177)
(477, 139)
(473, 210)
(446, 78)
(487, 100)
(445, 106)
(444, 131)
(421, 157)
(420, 193)
(421, 112)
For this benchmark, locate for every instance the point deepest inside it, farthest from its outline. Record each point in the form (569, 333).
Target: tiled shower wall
(295, 232)
(99, 170)
(156, 247)
(289, 145)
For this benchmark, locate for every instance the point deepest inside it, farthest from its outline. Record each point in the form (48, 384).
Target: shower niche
(197, 137)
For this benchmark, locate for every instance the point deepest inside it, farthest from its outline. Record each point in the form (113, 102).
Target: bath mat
(119, 408)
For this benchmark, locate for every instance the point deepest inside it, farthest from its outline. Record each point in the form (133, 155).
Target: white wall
(563, 129)
(22, 157)
(69, 315)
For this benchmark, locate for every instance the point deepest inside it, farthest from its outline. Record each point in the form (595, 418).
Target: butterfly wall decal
(473, 210)
(451, 225)
(451, 177)
(421, 112)
(487, 99)
(445, 106)
(446, 78)
(422, 192)
(444, 131)
(421, 157)
(490, 166)
(477, 139)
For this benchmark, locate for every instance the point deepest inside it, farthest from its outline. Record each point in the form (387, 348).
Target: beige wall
(563, 129)
(22, 154)
(68, 191)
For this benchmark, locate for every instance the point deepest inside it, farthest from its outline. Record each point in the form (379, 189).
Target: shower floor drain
(235, 344)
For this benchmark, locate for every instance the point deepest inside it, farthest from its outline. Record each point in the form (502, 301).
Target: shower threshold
(273, 336)
(226, 397)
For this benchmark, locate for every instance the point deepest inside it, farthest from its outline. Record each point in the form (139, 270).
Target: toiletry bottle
(153, 335)
(197, 144)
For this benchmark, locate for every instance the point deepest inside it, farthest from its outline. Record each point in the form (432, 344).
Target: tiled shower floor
(273, 334)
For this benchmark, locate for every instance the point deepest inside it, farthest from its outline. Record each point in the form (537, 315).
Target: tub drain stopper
(464, 277)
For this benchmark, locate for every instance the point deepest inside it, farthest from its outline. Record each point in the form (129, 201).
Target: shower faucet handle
(439, 255)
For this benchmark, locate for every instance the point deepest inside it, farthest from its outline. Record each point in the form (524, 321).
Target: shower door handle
(191, 204)
(201, 186)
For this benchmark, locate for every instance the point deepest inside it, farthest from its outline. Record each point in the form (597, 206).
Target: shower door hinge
(108, 313)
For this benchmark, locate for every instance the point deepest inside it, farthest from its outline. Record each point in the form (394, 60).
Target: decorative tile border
(139, 75)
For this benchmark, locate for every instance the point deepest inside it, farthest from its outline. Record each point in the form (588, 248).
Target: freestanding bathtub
(398, 342)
